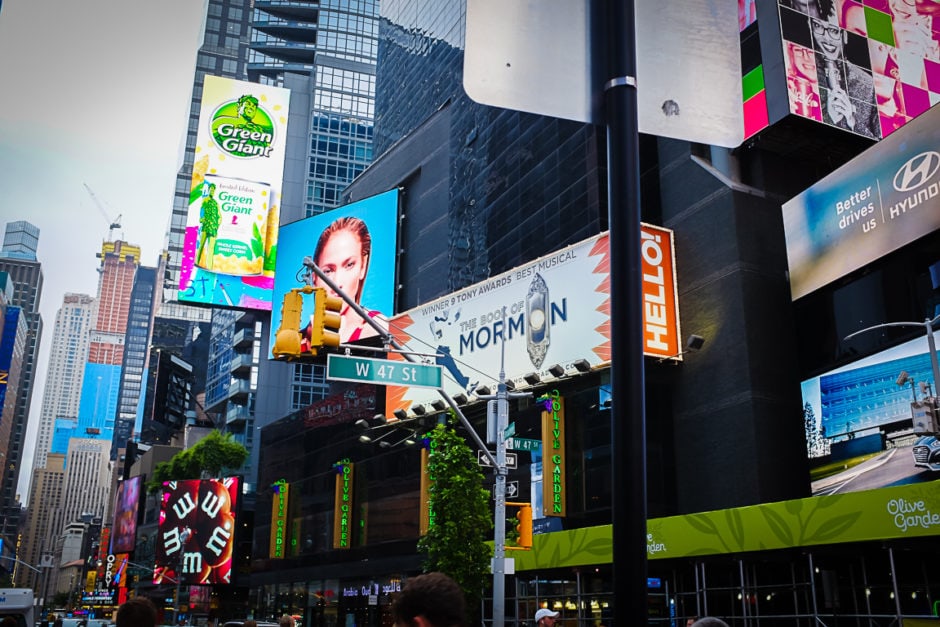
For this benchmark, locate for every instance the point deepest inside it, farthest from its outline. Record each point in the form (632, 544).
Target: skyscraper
(325, 53)
(18, 259)
(21, 240)
(62, 392)
(101, 378)
(136, 348)
(45, 488)
(221, 54)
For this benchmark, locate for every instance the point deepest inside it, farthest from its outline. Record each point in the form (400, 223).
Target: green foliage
(460, 515)
(210, 457)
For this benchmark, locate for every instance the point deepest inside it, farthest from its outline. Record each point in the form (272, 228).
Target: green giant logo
(243, 129)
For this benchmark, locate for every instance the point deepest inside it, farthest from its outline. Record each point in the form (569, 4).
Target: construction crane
(113, 223)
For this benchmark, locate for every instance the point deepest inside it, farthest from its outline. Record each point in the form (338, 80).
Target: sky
(96, 93)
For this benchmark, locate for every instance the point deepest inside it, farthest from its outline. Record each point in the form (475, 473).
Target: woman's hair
(826, 8)
(358, 228)
(435, 596)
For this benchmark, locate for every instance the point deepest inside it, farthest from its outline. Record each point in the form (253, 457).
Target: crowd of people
(429, 600)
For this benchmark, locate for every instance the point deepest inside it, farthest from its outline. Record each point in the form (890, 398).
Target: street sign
(382, 371)
(512, 489)
(512, 461)
(509, 431)
(524, 444)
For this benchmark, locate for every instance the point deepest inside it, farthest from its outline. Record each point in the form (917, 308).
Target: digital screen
(355, 245)
(230, 242)
(197, 531)
(866, 66)
(126, 510)
(861, 421)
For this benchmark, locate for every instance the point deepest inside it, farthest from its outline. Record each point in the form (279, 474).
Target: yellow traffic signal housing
(324, 328)
(523, 527)
(287, 338)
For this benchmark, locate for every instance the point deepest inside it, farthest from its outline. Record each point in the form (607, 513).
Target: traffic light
(287, 339)
(324, 329)
(523, 526)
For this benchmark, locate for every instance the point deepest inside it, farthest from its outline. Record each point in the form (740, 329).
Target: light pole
(928, 325)
(498, 461)
(184, 537)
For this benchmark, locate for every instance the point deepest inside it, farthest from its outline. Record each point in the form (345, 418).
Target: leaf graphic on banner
(778, 525)
(701, 522)
(736, 525)
(834, 527)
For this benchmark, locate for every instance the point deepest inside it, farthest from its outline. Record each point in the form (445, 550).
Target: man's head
(285, 621)
(545, 618)
(431, 600)
(138, 612)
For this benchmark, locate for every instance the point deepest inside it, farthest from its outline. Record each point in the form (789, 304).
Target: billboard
(230, 243)
(886, 197)
(859, 421)
(197, 531)
(556, 316)
(355, 245)
(126, 510)
(866, 66)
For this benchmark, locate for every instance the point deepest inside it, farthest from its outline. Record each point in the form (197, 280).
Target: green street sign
(509, 431)
(523, 444)
(382, 371)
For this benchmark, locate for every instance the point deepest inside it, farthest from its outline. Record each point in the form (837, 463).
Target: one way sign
(512, 489)
(512, 461)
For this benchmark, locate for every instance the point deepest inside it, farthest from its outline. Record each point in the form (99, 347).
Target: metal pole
(628, 427)
(928, 325)
(391, 341)
(498, 462)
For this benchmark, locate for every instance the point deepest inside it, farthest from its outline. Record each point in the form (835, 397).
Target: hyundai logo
(917, 171)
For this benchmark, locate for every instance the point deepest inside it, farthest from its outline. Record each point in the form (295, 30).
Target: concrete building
(62, 392)
(18, 259)
(45, 487)
(102, 371)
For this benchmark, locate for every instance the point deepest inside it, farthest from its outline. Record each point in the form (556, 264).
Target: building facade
(62, 393)
(736, 526)
(18, 260)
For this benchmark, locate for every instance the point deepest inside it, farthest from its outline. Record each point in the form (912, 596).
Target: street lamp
(184, 537)
(928, 325)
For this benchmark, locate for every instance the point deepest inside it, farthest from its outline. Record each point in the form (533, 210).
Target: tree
(461, 522)
(210, 457)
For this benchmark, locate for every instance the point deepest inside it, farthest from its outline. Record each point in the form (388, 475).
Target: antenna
(113, 223)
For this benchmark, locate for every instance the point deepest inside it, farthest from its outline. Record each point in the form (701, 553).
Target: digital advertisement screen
(863, 422)
(230, 244)
(866, 66)
(355, 245)
(881, 200)
(197, 531)
(126, 510)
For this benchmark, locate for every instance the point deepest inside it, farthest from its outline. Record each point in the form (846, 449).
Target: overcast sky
(96, 93)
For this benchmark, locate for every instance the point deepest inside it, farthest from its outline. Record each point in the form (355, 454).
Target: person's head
(138, 612)
(545, 618)
(709, 621)
(8, 621)
(247, 106)
(828, 36)
(343, 252)
(802, 62)
(285, 621)
(250, 623)
(431, 600)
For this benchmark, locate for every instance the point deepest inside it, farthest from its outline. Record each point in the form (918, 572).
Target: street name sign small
(512, 461)
(382, 371)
